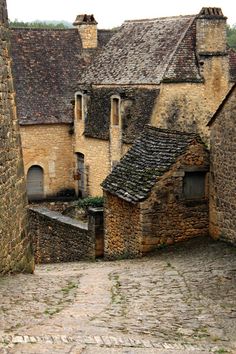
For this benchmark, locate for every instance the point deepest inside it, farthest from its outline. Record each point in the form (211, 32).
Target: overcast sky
(111, 13)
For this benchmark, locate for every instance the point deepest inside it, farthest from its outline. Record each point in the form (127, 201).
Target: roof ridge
(168, 131)
(158, 18)
(177, 47)
(42, 29)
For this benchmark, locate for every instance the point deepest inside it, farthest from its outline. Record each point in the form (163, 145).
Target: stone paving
(178, 300)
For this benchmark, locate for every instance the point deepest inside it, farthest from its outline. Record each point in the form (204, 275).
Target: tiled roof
(135, 114)
(47, 66)
(142, 50)
(152, 154)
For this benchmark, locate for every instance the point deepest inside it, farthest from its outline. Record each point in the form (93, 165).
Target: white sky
(112, 13)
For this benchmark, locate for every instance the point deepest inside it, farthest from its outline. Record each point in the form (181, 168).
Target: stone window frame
(117, 118)
(82, 110)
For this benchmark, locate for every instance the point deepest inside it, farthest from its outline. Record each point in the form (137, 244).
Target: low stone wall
(58, 238)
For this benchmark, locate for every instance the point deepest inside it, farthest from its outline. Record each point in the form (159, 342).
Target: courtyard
(180, 299)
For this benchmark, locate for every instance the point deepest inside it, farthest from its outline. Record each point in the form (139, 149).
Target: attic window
(194, 185)
(115, 110)
(78, 106)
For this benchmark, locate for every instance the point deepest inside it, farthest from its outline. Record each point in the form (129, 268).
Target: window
(78, 106)
(194, 185)
(115, 111)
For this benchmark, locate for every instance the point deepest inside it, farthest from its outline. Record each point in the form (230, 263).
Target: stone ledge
(59, 217)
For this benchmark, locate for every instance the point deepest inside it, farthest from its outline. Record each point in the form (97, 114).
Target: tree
(231, 36)
(39, 24)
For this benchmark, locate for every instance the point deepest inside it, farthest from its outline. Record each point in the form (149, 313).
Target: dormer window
(115, 111)
(78, 106)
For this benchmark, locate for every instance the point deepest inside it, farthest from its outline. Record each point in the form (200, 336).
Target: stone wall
(122, 228)
(58, 238)
(96, 159)
(50, 147)
(223, 172)
(189, 106)
(167, 216)
(15, 246)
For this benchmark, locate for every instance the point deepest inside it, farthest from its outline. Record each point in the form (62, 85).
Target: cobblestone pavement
(179, 300)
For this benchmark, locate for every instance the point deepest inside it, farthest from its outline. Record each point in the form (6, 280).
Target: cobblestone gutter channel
(104, 341)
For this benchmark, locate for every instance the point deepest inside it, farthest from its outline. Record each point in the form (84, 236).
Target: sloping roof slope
(47, 66)
(152, 154)
(141, 51)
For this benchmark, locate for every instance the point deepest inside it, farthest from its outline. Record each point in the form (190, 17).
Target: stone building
(157, 195)
(15, 247)
(47, 66)
(223, 170)
(168, 72)
(84, 95)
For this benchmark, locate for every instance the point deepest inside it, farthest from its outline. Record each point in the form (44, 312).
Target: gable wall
(167, 216)
(15, 244)
(223, 172)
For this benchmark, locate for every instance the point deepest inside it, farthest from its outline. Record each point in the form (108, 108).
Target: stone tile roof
(136, 113)
(146, 51)
(232, 64)
(152, 154)
(47, 66)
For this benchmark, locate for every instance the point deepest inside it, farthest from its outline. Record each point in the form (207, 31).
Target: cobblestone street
(178, 300)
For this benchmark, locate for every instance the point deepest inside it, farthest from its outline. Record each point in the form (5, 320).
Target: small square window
(194, 185)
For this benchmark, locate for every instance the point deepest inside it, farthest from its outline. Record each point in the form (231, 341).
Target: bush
(95, 202)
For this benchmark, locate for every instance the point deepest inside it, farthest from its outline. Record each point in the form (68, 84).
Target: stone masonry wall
(96, 159)
(58, 238)
(167, 216)
(50, 147)
(223, 172)
(15, 246)
(189, 106)
(88, 35)
(122, 228)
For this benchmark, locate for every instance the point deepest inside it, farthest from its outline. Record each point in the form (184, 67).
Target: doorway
(35, 187)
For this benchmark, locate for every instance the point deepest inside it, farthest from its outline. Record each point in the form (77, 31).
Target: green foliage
(95, 202)
(231, 36)
(39, 24)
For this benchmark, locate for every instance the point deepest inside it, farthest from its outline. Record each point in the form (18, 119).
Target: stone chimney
(3, 12)
(87, 27)
(211, 31)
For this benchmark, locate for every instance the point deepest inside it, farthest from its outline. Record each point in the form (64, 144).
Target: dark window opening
(115, 111)
(194, 185)
(78, 107)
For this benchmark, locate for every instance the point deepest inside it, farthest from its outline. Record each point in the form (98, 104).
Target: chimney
(3, 13)
(87, 27)
(211, 31)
